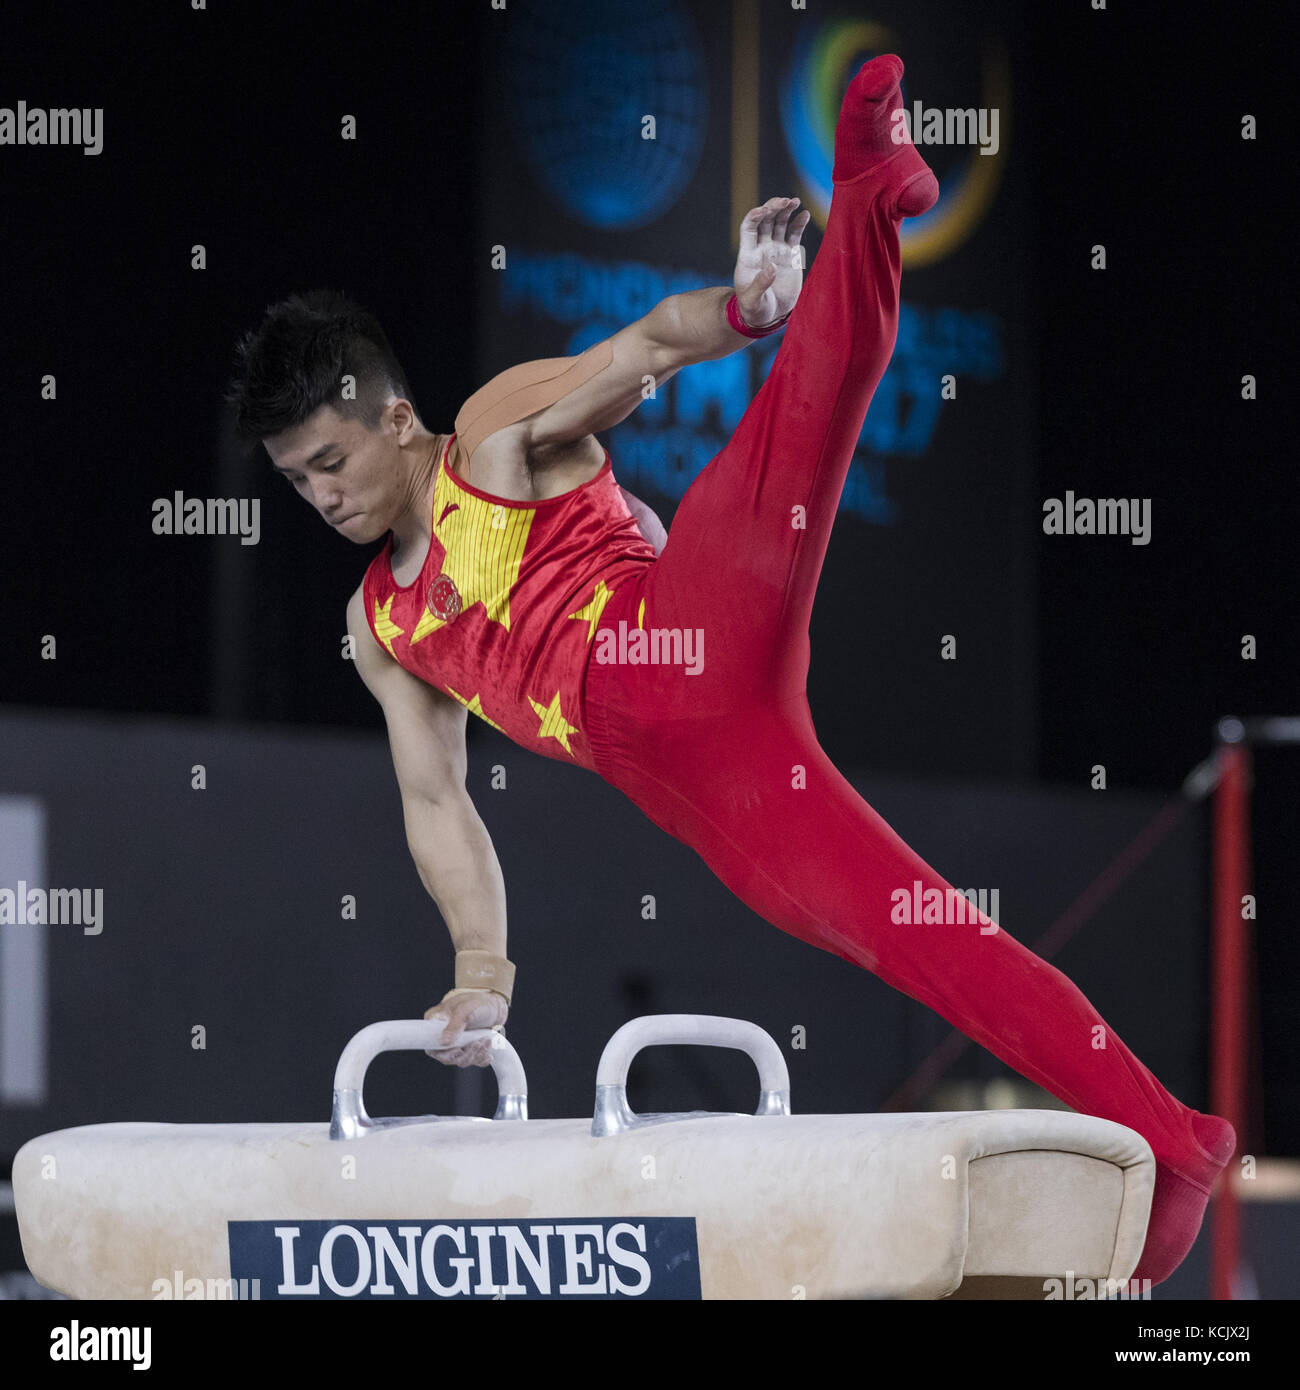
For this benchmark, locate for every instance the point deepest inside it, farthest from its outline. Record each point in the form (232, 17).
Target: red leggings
(715, 759)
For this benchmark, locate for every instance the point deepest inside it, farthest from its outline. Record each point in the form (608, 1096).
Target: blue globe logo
(580, 78)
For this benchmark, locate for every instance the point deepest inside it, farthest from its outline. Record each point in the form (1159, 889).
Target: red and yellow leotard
(514, 599)
(505, 609)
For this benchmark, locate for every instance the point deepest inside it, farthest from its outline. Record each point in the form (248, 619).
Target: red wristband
(739, 324)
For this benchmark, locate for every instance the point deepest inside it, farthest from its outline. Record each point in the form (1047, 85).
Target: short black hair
(296, 361)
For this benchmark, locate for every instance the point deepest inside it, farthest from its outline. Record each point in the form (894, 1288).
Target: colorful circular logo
(824, 62)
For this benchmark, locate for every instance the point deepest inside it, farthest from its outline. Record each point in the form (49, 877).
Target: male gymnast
(513, 558)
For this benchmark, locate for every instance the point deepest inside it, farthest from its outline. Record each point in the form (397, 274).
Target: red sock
(1181, 1195)
(872, 138)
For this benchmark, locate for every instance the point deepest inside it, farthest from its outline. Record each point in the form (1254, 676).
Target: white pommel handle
(350, 1121)
(613, 1115)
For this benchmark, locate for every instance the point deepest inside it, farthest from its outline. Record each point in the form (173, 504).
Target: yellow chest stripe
(484, 544)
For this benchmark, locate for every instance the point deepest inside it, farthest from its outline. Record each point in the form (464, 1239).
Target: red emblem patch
(444, 598)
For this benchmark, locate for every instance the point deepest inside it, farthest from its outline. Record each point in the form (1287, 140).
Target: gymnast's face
(352, 475)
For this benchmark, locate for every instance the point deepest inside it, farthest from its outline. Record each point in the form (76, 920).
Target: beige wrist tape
(483, 970)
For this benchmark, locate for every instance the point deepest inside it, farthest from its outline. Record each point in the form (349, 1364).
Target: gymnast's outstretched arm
(540, 411)
(547, 413)
(447, 839)
(679, 331)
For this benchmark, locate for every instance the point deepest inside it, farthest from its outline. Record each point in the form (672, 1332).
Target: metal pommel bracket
(349, 1119)
(613, 1115)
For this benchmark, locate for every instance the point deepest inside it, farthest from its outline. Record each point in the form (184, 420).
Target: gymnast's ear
(402, 415)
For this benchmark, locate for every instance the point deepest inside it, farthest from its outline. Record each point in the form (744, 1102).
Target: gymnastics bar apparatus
(770, 1205)
(1234, 975)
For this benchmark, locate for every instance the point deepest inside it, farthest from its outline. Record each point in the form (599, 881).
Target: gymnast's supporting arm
(448, 841)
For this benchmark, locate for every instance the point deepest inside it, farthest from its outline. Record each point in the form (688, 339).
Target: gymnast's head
(318, 384)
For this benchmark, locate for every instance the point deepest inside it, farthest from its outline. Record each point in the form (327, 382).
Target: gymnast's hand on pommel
(464, 1009)
(769, 269)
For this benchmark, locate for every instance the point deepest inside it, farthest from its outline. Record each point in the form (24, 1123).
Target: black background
(221, 128)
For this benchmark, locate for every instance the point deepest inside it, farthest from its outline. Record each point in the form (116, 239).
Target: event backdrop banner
(622, 146)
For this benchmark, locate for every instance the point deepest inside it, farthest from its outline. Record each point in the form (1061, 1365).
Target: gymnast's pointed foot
(871, 137)
(1180, 1199)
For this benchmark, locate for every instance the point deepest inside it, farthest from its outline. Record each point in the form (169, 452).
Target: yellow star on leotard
(475, 707)
(385, 628)
(590, 612)
(554, 725)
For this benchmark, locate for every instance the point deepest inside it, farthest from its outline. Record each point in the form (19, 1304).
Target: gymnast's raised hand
(769, 269)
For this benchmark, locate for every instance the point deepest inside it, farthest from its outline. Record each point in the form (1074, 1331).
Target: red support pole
(1230, 957)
